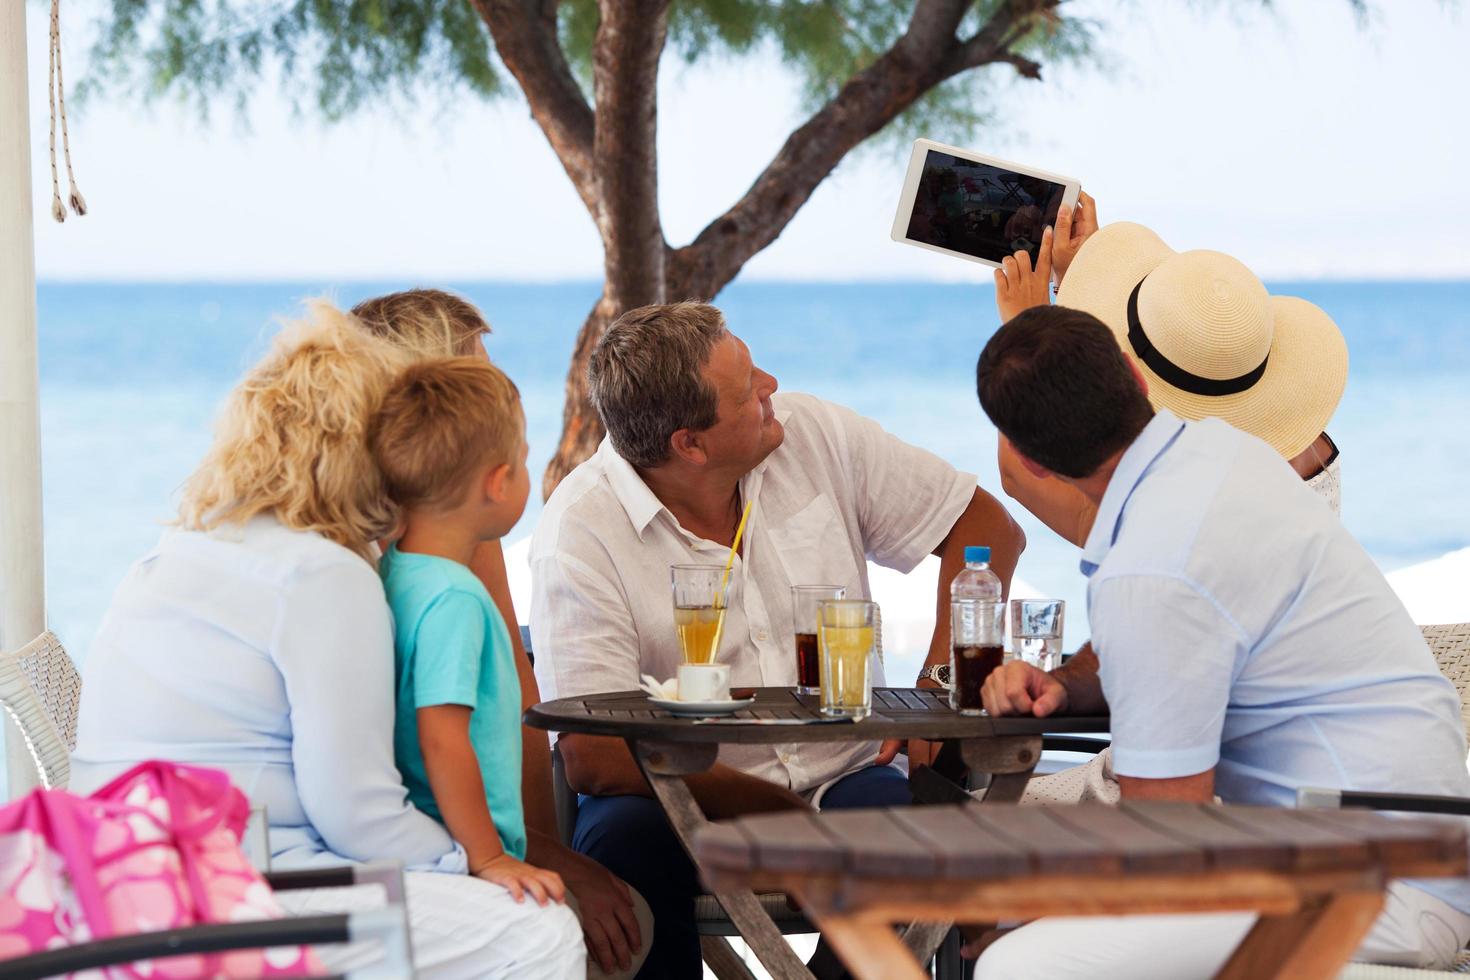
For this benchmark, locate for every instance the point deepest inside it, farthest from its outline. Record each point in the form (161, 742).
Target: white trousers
(1415, 929)
(462, 928)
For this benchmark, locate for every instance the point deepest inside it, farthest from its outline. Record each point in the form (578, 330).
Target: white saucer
(701, 709)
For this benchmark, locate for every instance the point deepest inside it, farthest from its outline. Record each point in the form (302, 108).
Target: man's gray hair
(646, 377)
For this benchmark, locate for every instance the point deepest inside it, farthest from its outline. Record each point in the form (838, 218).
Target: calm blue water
(131, 376)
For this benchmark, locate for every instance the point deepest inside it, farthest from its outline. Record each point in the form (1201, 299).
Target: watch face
(936, 672)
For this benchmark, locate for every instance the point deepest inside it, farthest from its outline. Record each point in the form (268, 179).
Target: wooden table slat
(1393, 839)
(887, 698)
(911, 699)
(960, 851)
(874, 843)
(937, 700)
(1140, 845)
(1315, 847)
(727, 845)
(791, 842)
(1226, 845)
(1054, 847)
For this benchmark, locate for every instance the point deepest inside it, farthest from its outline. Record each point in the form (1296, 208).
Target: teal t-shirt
(451, 646)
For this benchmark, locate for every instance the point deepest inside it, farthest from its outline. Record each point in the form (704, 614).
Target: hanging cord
(56, 91)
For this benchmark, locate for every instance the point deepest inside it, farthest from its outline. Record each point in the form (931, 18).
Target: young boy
(450, 442)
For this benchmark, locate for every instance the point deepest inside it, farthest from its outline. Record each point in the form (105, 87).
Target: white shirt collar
(1150, 444)
(640, 503)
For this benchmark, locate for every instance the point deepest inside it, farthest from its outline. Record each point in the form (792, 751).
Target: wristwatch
(938, 673)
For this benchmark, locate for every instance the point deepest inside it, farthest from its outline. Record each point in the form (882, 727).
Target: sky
(1297, 138)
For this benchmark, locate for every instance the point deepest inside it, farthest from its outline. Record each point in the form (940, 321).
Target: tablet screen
(980, 209)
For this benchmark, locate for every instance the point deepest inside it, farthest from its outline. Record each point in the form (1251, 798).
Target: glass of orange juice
(699, 610)
(845, 634)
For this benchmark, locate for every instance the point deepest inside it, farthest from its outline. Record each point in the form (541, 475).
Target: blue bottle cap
(977, 553)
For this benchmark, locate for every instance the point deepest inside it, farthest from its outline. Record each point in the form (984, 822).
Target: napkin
(664, 690)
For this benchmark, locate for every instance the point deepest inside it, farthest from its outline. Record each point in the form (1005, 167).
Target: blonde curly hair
(292, 439)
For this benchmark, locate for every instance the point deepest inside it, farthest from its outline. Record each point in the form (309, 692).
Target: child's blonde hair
(440, 422)
(428, 322)
(292, 439)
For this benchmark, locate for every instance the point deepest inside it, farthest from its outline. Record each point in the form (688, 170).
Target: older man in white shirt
(695, 431)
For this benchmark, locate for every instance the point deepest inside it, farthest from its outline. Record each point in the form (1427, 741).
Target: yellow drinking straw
(730, 562)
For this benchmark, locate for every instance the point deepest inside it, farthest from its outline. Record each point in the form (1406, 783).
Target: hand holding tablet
(977, 207)
(1019, 285)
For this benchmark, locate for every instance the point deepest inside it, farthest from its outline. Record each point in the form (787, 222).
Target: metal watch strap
(938, 673)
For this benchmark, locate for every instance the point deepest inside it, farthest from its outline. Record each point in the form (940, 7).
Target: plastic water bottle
(977, 631)
(976, 580)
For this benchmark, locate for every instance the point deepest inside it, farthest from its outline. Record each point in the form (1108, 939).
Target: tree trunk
(625, 55)
(581, 429)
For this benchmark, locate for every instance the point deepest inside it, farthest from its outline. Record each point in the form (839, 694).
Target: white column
(22, 571)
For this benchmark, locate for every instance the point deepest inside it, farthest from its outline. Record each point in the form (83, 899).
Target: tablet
(977, 207)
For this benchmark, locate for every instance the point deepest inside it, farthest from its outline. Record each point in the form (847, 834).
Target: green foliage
(343, 55)
(354, 51)
(825, 42)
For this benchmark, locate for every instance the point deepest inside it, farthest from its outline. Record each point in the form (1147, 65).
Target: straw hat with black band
(1209, 338)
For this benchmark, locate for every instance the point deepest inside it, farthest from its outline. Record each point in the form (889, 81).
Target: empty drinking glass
(1036, 631)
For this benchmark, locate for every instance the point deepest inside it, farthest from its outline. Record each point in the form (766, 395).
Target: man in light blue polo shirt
(1245, 644)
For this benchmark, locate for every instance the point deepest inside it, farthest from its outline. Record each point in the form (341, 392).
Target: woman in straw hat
(255, 638)
(1207, 337)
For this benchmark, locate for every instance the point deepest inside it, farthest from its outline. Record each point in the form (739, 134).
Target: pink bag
(157, 848)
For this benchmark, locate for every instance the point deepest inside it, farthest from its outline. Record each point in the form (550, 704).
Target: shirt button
(761, 635)
(785, 757)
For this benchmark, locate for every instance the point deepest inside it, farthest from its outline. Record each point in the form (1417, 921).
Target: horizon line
(1445, 280)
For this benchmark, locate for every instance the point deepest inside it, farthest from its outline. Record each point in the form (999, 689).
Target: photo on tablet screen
(981, 210)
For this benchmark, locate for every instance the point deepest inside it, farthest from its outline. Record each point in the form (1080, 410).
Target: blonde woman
(255, 638)
(616, 921)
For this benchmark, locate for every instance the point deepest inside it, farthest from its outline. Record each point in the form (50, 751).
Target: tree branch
(625, 56)
(928, 53)
(992, 42)
(526, 39)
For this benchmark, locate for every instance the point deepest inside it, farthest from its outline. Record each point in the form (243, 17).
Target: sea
(132, 375)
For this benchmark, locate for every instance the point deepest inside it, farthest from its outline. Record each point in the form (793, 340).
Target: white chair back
(40, 689)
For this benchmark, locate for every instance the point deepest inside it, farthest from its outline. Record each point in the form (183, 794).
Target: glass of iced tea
(845, 636)
(977, 646)
(804, 599)
(699, 610)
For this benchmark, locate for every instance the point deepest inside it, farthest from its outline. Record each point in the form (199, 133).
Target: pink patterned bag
(157, 848)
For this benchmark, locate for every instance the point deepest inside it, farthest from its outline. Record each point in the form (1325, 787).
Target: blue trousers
(631, 837)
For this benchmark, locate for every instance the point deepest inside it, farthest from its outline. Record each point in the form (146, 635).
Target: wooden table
(1316, 877)
(668, 748)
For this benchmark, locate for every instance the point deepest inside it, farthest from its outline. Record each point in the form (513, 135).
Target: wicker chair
(40, 689)
(1450, 644)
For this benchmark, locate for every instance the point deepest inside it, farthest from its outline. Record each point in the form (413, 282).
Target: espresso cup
(704, 682)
